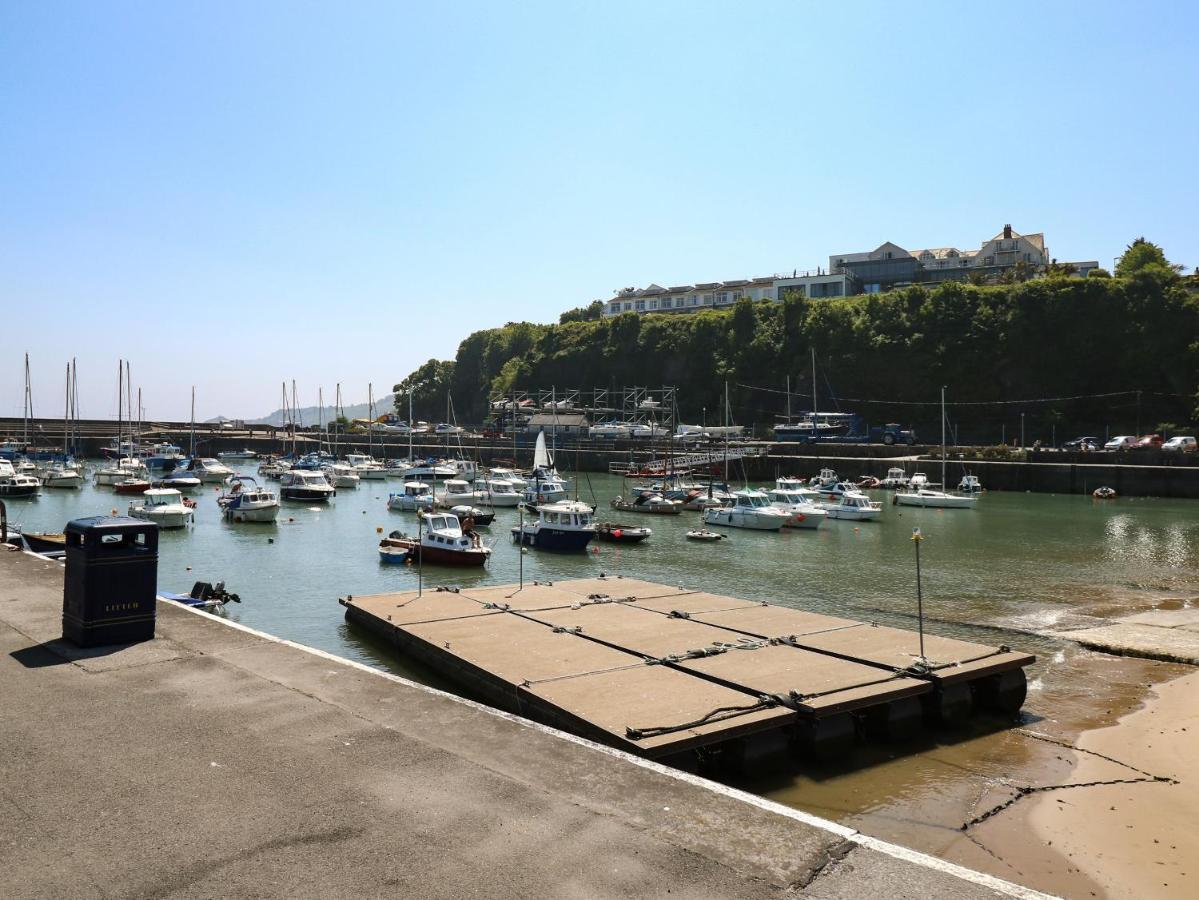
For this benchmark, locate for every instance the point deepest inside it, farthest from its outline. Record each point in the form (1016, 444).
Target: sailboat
(920, 496)
(545, 485)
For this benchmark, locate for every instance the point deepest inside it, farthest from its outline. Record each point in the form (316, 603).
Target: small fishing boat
(17, 484)
(163, 506)
(416, 495)
(509, 475)
(131, 486)
(367, 467)
(896, 478)
(567, 525)
(648, 502)
(702, 534)
(970, 485)
(44, 542)
(826, 479)
(395, 549)
(868, 483)
(615, 533)
(443, 542)
(853, 505)
(458, 491)
(210, 597)
(127, 467)
(306, 485)
(1104, 493)
(247, 501)
(273, 468)
(751, 509)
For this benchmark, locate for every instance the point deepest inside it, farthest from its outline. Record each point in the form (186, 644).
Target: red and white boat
(442, 542)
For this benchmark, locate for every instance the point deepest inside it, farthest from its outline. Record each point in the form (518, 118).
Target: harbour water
(1004, 573)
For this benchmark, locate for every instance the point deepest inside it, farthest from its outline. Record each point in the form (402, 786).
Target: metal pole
(1021, 431)
(420, 556)
(916, 539)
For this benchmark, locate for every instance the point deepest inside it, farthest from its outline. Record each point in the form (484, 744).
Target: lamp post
(916, 539)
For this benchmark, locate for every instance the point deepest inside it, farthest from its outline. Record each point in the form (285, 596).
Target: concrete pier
(218, 761)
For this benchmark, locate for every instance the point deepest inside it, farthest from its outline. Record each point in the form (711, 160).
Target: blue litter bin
(111, 581)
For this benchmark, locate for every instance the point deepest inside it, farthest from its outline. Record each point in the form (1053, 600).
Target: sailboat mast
(120, 401)
(337, 417)
(192, 449)
(942, 437)
(129, 402)
(66, 416)
(410, 425)
(788, 399)
(320, 419)
(28, 403)
(814, 430)
(370, 414)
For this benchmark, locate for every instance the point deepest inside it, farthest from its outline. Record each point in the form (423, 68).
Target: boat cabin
(751, 499)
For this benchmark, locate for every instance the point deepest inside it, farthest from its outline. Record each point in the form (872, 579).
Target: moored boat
(616, 533)
(443, 541)
(567, 525)
(648, 502)
(247, 501)
(163, 506)
(17, 484)
(703, 534)
(751, 509)
(417, 495)
(305, 485)
(854, 506)
(131, 486)
(801, 511)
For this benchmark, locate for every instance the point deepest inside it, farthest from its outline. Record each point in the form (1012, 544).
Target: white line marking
(999, 885)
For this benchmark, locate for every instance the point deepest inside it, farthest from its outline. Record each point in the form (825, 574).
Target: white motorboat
(826, 479)
(247, 501)
(458, 491)
(509, 475)
(836, 489)
(342, 475)
(164, 507)
(919, 493)
(208, 470)
(305, 484)
(500, 492)
(919, 481)
(60, 475)
(124, 468)
(702, 534)
(237, 455)
(801, 511)
(751, 509)
(367, 467)
(970, 485)
(568, 525)
(16, 484)
(273, 469)
(648, 502)
(417, 495)
(896, 478)
(180, 479)
(428, 470)
(853, 505)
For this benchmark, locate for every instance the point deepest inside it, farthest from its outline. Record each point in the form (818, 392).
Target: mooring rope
(716, 715)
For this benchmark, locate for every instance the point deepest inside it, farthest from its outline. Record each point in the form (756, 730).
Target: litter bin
(111, 580)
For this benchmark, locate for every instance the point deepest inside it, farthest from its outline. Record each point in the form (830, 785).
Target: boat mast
(192, 449)
(410, 426)
(129, 403)
(726, 435)
(120, 400)
(28, 404)
(943, 485)
(296, 420)
(370, 414)
(320, 421)
(66, 417)
(788, 399)
(815, 432)
(337, 416)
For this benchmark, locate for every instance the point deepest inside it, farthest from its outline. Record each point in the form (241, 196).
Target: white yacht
(458, 491)
(247, 501)
(853, 505)
(750, 509)
(920, 493)
(509, 475)
(367, 467)
(609, 430)
(342, 475)
(417, 495)
(801, 511)
(60, 475)
(500, 492)
(162, 506)
(428, 470)
(208, 470)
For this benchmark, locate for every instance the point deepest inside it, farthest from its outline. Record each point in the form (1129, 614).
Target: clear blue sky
(231, 194)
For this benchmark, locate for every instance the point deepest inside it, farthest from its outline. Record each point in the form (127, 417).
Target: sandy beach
(1139, 838)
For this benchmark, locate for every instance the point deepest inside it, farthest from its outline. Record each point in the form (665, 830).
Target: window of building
(873, 288)
(628, 307)
(640, 305)
(722, 297)
(694, 301)
(653, 304)
(707, 299)
(767, 293)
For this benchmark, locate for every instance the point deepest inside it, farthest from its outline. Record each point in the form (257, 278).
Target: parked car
(1122, 442)
(1181, 443)
(1150, 442)
(1082, 443)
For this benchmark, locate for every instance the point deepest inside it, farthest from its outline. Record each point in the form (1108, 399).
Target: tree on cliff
(592, 312)
(428, 386)
(1144, 256)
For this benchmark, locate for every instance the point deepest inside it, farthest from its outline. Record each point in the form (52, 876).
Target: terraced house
(881, 269)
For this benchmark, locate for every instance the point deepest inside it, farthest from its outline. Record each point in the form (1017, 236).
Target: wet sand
(1138, 839)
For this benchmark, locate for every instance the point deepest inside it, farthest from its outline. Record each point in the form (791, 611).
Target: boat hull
(172, 519)
(945, 502)
(306, 494)
(731, 518)
(252, 514)
(553, 539)
(809, 520)
(853, 514)
(73, 480)
(441, 556)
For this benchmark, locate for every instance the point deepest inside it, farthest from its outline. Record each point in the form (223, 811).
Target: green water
(1025, 562)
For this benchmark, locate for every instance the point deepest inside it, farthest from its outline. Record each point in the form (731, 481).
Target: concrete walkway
(217, 761)
(1170, 635)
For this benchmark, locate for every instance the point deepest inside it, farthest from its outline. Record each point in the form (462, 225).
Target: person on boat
(468, 529)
